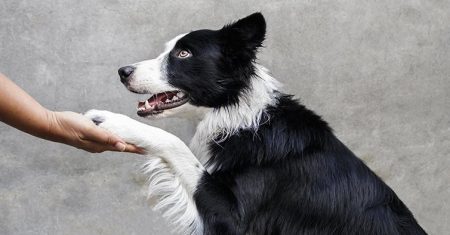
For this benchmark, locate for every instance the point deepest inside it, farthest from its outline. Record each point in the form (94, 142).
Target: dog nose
(125, 73)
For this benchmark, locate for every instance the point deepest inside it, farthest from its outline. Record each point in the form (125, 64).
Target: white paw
(119, 124)
(132, 131)
(101, 117)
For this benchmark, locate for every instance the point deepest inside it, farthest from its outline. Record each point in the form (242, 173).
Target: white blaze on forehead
(171, 44)
(150, 76)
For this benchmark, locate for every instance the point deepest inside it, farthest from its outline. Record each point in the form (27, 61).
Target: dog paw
(96, 116)
(121, 125)
(132, 131)
(99, 117)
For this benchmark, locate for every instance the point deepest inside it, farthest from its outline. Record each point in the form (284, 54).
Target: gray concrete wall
(378, 71)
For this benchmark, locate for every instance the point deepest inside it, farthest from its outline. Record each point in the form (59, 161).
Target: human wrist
(53, 130)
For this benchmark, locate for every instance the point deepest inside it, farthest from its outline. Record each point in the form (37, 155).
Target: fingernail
(120, 146)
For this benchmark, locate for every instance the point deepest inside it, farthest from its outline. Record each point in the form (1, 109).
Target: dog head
(203, 68)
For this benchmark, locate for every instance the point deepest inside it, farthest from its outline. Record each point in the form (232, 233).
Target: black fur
(292, 175)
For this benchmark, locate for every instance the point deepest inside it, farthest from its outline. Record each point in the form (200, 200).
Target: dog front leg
(173, 171)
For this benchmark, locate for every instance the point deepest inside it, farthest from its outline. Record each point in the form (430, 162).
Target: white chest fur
(218, 124)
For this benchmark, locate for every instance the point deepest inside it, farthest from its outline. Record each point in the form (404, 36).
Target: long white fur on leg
(173, 170)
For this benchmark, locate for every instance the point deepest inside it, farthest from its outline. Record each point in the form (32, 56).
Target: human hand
(76, 130)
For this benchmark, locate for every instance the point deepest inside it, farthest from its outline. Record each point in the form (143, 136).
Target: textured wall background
(378, 71)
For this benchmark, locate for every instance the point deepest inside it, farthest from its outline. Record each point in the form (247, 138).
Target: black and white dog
(259, 162)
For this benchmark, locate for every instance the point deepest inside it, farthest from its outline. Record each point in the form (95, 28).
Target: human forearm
(21, 111)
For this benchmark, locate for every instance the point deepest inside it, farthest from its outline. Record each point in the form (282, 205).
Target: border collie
(259, 162)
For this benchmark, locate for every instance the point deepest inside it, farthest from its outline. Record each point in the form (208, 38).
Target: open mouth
(160, 102)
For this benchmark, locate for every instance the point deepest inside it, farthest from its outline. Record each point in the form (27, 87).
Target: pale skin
(20, 110)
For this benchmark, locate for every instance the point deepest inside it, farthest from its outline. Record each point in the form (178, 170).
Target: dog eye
(183, 54)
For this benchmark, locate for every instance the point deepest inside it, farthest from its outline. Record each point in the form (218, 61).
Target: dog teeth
(175, 98)
(147, 105)
(180, 94)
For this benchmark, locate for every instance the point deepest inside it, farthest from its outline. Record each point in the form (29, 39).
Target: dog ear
(246, 33)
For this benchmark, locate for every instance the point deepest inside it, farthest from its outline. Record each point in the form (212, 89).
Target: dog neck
(218, 124)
